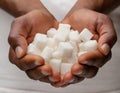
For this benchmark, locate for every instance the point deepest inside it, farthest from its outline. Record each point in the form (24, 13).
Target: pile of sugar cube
(61, 47)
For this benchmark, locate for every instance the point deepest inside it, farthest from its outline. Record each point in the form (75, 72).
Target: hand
(102, 28)
(22, 33)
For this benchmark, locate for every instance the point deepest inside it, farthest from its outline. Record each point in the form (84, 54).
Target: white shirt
(13, 80)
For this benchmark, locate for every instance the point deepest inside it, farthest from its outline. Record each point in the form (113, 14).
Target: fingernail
(85, 62)
(53, 80)
(71, 81)
(37, 63)
(19, 52)
(82, 72)
(79, 73)
(45, 73)
(106, 48)
(90, 62)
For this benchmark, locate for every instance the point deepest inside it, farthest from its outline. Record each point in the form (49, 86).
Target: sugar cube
(81, 53)
(85, 35)
(65, 48)
(81, 47)
(40, 40)
(51, 32)
(55, 64)
(32, 49)
(64, 27)
(62, 33)
(47, 53)
(74, 36)
(51, 43)
(90, 45)
(57, 54)
(65, 67)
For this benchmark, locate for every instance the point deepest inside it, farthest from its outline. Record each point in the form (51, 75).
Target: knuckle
(30, 75)
(11, 39)
(15, 22)
(99, 65)
(21, 67)
(11, 56)
(11, 59)
(104, 18)
(92, 73)
(114, 38)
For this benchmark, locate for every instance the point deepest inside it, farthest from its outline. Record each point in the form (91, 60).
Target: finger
(107, 34)
(17, 38)
(39, 72)
(55, 77)
(45, 79)
(84, 71)
(69, 78)
(27, 62)
(94, 58)
(60, 83)
(76, 80)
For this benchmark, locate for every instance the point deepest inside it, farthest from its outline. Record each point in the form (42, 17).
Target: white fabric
(12, 80)
(59, 8)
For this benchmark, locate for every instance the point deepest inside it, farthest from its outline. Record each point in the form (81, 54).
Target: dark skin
(37, 19)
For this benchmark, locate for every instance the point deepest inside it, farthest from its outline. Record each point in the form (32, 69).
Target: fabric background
(12, 80)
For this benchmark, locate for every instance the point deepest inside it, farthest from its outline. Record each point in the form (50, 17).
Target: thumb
(107, 38)
(17, 40)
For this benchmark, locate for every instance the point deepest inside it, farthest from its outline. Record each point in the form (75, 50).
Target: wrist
(103, 6)
(21, 7)
(91, 4)
(87, 4)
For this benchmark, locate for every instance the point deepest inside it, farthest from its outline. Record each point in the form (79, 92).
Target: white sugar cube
(65, 67)
(57, 55)
(62, 33)
(51, 43)
(47, 53)
(85, 35)
(55, 64)
(63, 27)
(81, 53)
(91, 45)
(81, 47)
(73, 58)
(65, 48)
(75, 46)
(40, 40)
(74, 36)
(51, 32)
(32, 49)
(61, 36)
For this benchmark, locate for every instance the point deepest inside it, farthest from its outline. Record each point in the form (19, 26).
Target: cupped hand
(88, 64)
(22, 33)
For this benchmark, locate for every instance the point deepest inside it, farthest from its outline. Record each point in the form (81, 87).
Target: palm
(85, 19)
(37, 22)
